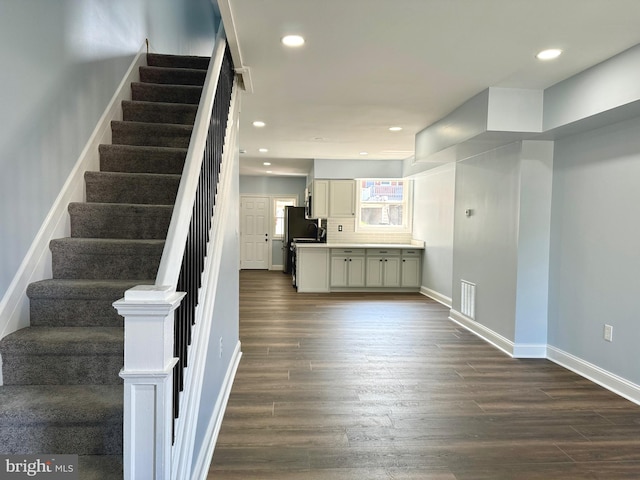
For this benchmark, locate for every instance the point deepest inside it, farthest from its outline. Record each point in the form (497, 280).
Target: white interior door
(254, 233)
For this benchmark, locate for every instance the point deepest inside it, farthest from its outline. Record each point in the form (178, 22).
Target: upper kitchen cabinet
(319, 194)
(342, 198)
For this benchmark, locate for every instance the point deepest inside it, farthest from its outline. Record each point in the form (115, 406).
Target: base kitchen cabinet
(358, 268)
(411, 274)
(383, 268)
(312, 269)
(347, 268)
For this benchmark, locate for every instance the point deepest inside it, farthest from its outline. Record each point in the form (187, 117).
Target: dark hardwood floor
(384, 386)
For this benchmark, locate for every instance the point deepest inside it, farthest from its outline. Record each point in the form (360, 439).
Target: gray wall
(485, 243)
(66, 60)
(434, 195)
(595, 240)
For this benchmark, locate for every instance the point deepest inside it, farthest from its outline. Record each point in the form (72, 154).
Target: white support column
(148, 380)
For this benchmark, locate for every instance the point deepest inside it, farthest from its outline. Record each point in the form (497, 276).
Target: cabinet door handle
(380, 259)
(385, 259)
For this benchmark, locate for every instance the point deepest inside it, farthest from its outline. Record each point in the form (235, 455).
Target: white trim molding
(608, 380)
(515, 350)
(438, 297)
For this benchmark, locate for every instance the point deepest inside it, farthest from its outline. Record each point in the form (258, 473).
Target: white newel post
(148, 312)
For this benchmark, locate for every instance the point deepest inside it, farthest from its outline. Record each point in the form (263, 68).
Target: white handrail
(171, 260)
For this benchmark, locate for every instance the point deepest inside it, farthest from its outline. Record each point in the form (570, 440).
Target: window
(384, 205)
(278, 214)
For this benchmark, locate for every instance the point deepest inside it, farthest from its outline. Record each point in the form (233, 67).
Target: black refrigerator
(295, 226)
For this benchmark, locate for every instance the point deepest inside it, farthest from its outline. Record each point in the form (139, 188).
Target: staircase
(62, 393)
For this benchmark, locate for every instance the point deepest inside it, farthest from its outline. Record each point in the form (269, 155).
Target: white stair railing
(159, 319)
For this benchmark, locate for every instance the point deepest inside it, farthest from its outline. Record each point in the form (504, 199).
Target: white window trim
(407, 214)
(274, 200)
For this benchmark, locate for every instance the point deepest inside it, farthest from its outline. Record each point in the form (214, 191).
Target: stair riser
(88, 439)
(74, 265)
(177, 61)
(62, 369)
(176, 114)
(59, 312)
(146, 134)
(118, 158)
(172, 76)
(136, 189)
(98, 222)
(148, 92)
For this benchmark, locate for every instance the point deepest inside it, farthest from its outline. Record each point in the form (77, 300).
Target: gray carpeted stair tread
(63, 356)
(64, 341)
(77, 303)
(159, 112)
(172, 75)
(156, 92)
(151, 134)
(142, 159)
(177, 61)
(136, 188)
(81, 289)
(119, 220)
(60, 403)
(100, 467)
(94, 258)
(65, 419)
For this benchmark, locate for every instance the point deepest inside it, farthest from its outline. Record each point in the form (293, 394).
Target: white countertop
(415, 244)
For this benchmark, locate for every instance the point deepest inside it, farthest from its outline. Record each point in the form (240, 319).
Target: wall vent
(468, 299)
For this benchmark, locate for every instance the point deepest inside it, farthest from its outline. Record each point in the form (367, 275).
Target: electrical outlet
(608, 333)
(339, 228)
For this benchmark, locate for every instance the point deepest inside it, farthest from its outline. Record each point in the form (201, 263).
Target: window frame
(293, 201)
(407, 207)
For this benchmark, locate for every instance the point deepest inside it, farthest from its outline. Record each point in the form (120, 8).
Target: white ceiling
(371, 64)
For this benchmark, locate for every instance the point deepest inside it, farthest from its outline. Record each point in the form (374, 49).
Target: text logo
(49, 467)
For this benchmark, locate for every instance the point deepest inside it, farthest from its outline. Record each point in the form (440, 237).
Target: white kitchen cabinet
(411, 272)
(383, 268)
(312, 269)
(347, 268)
(342, 198)
(319, 191)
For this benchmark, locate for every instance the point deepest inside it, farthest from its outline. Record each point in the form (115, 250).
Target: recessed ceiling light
(364, 153)
(395, 129)
(549, 54)
(263, 150)
(259, 124)
(266, 164)
(293, 41)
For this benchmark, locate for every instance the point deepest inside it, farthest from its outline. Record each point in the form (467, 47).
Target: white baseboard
(277, 267)
(592, 372)
(515, 350)
(488, 335)
(36, 265)
(608, 380)
(203, 461)
(438, 297)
